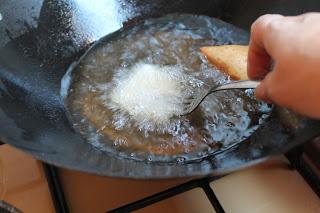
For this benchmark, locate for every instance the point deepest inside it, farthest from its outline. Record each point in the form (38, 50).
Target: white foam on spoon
(150, 95)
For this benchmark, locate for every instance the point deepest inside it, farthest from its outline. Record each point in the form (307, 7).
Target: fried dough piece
(231, 59)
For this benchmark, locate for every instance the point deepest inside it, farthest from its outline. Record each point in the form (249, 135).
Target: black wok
(41, 38)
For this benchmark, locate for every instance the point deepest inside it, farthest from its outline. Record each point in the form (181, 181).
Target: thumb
(262, 91)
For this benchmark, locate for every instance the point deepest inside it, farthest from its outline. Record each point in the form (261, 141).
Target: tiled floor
(22, 182)
(266, 188)
(271, 187)
(189, 202)
(91, 193)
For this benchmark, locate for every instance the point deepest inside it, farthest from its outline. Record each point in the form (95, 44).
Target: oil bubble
(102, 100)
(180, 159)
(148, 96)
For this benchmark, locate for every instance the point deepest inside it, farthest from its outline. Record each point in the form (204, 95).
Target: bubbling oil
(159, 61)
(148, 97)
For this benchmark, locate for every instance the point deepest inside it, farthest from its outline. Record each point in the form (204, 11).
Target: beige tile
(91, 193)
(193, 201)
(17, 165)
(22, 182)
(271, 187)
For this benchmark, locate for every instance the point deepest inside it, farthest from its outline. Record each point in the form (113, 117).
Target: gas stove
(287, 183)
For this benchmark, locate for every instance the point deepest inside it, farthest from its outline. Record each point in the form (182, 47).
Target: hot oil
(148, 96)
(223, 120)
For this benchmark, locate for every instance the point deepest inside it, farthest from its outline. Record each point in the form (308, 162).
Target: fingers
(291, 42)
(261, 46)
(269, 90)
(262, 92)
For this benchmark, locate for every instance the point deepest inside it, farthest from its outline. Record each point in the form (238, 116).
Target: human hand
(293, 45)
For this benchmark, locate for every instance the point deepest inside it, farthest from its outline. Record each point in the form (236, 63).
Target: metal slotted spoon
(192, 102)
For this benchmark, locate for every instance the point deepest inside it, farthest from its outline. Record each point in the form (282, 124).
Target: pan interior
(222, 121)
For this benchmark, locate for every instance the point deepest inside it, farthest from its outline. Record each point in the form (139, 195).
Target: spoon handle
(246, 84)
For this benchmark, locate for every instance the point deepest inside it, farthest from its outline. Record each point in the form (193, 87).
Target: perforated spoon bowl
(192, 102)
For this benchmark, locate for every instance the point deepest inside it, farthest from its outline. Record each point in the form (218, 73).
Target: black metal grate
(55, 188)
(199, 183)
(297, 162)
(60, 204)
(295, 157)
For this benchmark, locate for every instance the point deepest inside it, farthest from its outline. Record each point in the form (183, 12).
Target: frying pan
(39, 39)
